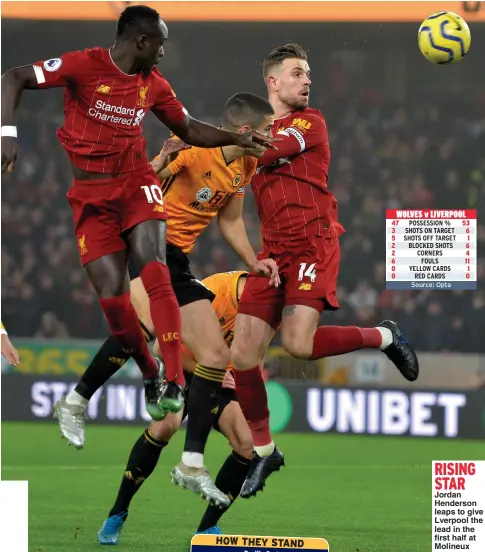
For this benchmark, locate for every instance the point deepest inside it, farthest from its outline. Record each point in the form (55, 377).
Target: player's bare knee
(165, 429)
(108, 276)
(147, 242)
(152, 257)
(147, 256)
(216, 356)
(243, 358)
(296, 345)
(244, 447)
(111, 289)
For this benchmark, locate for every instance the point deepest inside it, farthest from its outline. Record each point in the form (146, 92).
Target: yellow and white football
(444, 37)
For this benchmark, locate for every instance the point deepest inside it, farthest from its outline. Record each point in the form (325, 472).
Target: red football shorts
(105, 208)
(308, 271)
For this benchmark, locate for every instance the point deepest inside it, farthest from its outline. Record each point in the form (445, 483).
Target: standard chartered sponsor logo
(108, 113)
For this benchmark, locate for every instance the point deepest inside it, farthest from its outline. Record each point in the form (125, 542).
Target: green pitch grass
(363, 494)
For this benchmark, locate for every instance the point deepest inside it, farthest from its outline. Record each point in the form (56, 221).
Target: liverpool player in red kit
(115, 196)
(301, 233)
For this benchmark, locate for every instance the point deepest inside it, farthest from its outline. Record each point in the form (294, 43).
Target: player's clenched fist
(10, 150)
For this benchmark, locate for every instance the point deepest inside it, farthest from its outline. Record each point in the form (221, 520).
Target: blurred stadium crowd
(385, 154)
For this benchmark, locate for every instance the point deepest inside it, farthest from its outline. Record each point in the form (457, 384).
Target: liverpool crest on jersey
(142, 96)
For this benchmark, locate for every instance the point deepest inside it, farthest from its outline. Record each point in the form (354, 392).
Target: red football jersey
(290, 184)
(104, 109)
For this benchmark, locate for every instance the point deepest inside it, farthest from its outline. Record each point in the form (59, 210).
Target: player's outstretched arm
(202, 135)
(288, 147)
(14, 82)
(168, 109)
(231, 224)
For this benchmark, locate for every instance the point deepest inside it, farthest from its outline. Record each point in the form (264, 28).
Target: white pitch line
(62, 468)
(292, 466)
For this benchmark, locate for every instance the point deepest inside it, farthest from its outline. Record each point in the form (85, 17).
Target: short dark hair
(278, 55)
(245, 109)
(137, 20)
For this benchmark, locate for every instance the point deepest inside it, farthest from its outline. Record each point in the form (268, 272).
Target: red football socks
(165, 313)
(125, 328)
(260, 432)
(337, 340)
(251, 394)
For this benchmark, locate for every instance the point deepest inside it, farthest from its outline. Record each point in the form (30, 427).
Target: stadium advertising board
(364, 369)
(59, 357)
(294, 406)
(241, 11)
